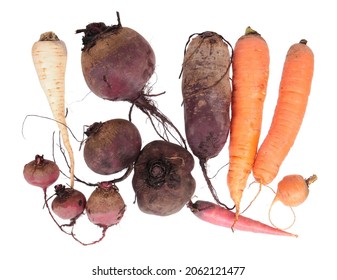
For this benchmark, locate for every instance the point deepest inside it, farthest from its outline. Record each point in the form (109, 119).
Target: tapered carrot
(220, 216)
(250, 79)
(294, 91)
(50, 59)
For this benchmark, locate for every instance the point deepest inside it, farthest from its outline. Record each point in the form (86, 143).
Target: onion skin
(162, 179)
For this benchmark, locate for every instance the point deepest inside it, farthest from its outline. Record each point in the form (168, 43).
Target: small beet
(111, 146)
(162, 179)
(105, 206)
(69, 203)
(41, 172)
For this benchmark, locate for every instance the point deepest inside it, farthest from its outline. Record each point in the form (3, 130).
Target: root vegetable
(129, 55)
(250, 79)
(293, 190)
(294, 91)
(105, 206)
(111, 146)
(206, 93)
(117, 63)
(220, 216)
(69, 203)
(41, 172)
(162, 179)
(50, 59)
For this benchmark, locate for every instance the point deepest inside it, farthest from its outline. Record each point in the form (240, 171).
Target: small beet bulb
(68, 203)
(41, 172)
(162, 179)
(105, 206)
(111, 146)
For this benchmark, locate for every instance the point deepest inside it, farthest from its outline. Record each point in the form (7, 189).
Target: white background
(31, 244)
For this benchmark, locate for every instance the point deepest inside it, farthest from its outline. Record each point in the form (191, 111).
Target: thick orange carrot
(50, 59)
(250, 79)
(220, 216)
(294, 91)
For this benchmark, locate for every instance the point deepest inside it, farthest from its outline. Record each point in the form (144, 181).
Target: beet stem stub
(93, 30)
(158, 171)
(162, 180)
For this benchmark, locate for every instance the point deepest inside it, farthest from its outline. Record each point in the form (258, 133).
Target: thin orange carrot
(50, 59)
(250, 79)
(294, 91)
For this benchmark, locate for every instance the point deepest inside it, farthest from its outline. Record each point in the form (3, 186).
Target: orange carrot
(250, 79)
(294, 91)
(220, 216)
(293, 190)
(50, 59)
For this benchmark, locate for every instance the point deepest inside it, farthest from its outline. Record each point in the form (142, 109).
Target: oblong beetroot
(206, 90)
(105, 206)
(162, 179)
(69, 203)
(41, 172)
(111, 146)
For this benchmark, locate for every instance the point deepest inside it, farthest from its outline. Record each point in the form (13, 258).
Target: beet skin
(117, 61)
(206, 90)
(41, 172)
(162, 179)
(69, 203)
(111, 146)
(105, 206)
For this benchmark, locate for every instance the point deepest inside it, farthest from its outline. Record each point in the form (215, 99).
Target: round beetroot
(69, 203)
(111, 146)
(105, 206)
(162, 178)
(117, 61)
(41, 172)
